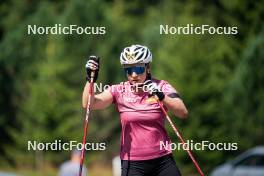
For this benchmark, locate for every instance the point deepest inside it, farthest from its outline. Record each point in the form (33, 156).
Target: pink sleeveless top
(142, 122)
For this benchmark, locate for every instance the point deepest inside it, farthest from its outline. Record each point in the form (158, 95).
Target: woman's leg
(163, 166)
(132, 168)
(168, 167)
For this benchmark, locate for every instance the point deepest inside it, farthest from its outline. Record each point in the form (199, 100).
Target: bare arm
(99, 101)
(176, 105)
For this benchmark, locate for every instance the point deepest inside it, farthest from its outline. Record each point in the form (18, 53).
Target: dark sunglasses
(137, 70)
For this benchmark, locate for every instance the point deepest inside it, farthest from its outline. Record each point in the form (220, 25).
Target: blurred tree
(243, 98)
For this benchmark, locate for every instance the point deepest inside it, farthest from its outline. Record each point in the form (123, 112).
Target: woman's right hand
(92, 65)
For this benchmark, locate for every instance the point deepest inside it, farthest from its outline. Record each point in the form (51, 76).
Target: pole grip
(96, 59)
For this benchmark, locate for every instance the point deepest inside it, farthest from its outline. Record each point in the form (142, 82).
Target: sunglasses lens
(137, 70)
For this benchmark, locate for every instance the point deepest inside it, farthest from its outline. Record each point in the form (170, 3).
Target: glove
(153, 89)
(92, 65)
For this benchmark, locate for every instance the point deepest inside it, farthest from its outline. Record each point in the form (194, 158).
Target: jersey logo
(151, 100)
(130, 100)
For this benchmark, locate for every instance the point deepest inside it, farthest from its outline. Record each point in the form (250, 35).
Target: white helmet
(135, 54)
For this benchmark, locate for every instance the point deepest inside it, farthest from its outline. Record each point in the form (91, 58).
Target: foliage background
(220, 77)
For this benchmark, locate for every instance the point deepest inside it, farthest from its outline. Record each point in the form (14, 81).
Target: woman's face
(134, 74)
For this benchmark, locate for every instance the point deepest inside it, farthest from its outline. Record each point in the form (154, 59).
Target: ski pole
(181, 139)
(88, 111)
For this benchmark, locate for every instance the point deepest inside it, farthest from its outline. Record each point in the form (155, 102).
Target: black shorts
(163, 166)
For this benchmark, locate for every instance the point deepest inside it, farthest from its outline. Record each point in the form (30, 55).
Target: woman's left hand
(153, 89)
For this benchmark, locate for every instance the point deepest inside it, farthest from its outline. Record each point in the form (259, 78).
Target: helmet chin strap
(148, 77)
